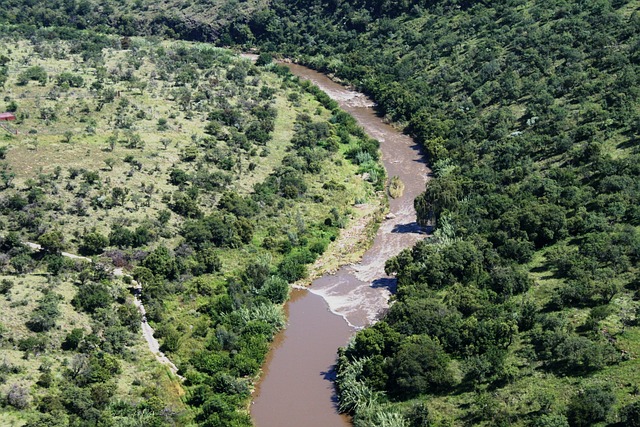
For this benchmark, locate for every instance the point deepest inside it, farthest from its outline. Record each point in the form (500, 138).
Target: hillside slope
(211, 181)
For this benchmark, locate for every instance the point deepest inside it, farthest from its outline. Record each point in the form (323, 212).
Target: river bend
(296, 389)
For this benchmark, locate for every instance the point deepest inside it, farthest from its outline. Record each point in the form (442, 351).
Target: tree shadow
(423, 157)
(330, 375)
(411, 227)
(389, 283)
(631, 142)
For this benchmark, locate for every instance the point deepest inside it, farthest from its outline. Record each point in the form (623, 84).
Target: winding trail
(147, 331)
(297, 385)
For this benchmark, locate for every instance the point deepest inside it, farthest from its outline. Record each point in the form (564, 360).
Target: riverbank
(352, 242)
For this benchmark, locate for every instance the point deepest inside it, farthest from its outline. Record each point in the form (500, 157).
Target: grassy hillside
(211, 181)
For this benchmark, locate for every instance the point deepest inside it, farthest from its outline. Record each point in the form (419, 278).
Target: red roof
(7, 116)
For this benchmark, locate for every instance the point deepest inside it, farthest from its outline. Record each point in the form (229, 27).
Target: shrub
(45, 314)
(35, 73)
(52, 241)
(276, 289)
(630, 414)
(73, 339)
(92, 296)
(5, 286)
(551, 420)
(18, 396)
(421, 364)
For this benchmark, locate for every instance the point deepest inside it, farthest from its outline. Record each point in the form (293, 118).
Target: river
(296, 389)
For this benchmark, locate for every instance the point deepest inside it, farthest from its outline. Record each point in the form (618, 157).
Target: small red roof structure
(7, 117)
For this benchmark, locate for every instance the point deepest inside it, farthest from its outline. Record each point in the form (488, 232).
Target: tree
(52, 242)
(67, 136)
(590, 405)
(420, 365)
(93, 243)
(110, 162)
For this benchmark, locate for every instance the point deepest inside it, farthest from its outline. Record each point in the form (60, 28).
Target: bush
(161, 263)
(35, 73)
(551, 420)
(276, 289)
(421, 364)
(73, 339)
(5, 286)
(208, 261)
(72, 80)
(32, 344)
(292, 268)
(52, 241)
(92, 296)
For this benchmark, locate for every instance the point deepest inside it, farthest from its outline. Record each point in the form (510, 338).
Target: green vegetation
(396, 187)
(212, 181)
(521, 310)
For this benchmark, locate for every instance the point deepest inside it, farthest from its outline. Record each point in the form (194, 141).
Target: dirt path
(38, 247)
(147, 331)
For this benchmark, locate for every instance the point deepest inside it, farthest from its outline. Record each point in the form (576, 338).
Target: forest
(522, 309)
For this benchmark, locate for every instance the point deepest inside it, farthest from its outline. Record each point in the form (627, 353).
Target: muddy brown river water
(296, 389)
